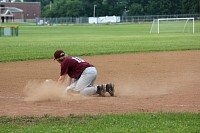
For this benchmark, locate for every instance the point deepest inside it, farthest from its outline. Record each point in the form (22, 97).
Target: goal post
(172, 25)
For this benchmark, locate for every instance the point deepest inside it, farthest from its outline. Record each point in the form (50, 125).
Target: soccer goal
(172, 25)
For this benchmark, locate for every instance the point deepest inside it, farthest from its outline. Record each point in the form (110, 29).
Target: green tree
(31, 0)
(113, 7)
(135, 9)
(190, 6)
(64, 8)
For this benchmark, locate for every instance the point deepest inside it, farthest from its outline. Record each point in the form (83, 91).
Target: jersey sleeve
(64, 69)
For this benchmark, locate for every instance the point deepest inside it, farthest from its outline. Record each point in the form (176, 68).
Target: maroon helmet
(59, 55)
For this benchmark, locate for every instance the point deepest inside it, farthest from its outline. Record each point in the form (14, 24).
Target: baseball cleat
(110, 89)
(101, 90)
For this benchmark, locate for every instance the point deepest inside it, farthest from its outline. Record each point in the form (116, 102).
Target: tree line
(88, 8)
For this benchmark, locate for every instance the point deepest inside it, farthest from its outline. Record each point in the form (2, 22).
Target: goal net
(172, 25)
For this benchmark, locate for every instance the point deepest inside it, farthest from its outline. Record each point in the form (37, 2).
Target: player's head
(59, 55)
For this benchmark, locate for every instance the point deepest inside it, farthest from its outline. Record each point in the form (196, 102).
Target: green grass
(40, 42)
(137, 122)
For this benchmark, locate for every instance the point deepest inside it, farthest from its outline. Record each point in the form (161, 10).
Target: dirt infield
(147, 82)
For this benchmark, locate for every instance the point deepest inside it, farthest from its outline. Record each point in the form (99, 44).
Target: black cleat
(101, 90)
(110, 89)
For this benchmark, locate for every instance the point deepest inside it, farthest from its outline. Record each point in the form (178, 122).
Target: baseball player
(81, 74)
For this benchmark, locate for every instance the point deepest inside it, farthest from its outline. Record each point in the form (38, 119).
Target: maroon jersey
(73, 66)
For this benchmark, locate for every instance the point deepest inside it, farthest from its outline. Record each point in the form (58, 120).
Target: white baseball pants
(85, 84)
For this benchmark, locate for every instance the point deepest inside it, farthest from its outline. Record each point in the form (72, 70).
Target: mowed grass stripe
(39, 42)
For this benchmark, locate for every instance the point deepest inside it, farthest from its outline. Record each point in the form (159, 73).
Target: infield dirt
(144, 82)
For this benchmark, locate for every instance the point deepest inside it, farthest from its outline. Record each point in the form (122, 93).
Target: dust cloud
(143, 88)
(47, 90)
(140, 90)
(166, 83)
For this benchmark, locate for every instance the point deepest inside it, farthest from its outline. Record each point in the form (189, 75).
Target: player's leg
(74, 87)
(85, 83)
(71, 87)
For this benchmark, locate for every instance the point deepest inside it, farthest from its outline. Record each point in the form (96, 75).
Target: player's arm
(61, 79)
(69, 81)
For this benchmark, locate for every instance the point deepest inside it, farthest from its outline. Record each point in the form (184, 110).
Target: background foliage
(77, 8)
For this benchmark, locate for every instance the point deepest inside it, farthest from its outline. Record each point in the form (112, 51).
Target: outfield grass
(40, 42)
(129, 123)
